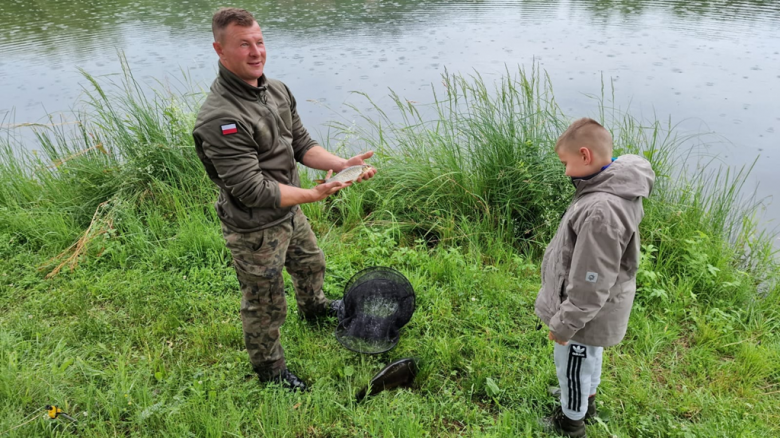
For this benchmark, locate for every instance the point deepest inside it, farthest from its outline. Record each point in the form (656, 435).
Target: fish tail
(319, 181)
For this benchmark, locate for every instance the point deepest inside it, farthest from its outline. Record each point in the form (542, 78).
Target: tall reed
(474, 168)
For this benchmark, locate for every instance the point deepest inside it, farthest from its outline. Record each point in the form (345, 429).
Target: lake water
(712, 66)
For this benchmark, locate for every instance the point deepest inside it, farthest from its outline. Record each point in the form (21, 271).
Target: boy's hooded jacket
(589, 268)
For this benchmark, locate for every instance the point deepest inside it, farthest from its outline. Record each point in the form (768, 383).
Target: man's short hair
(225, 16)
(586, 133)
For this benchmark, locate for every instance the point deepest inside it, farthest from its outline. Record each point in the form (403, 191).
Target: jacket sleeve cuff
(559, 329)
(302, 153)
(275, 193)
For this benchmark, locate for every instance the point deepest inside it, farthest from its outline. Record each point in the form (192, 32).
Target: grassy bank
(118, 301)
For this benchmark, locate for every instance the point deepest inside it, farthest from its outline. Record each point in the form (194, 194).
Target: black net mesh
(377, 303)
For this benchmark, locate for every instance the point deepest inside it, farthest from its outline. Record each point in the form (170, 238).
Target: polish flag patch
(229, 129)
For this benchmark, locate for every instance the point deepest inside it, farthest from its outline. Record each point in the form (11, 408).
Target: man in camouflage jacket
(250, 138)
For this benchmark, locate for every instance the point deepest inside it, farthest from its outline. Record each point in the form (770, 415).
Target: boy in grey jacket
(589, 268)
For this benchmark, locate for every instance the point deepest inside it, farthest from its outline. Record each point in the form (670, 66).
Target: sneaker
(289, 381)
(559, 423)
(590, 415)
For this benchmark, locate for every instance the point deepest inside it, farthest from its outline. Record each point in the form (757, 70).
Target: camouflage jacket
(249, 140)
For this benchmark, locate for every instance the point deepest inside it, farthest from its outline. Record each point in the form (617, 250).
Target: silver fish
(350, 174)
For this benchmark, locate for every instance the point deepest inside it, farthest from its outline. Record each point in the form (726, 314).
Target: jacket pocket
(285, 115)
(562, 290)
(556, 296)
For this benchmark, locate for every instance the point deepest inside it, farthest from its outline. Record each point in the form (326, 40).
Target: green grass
(139, 334)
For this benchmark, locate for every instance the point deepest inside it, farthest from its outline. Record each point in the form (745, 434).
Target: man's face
(578, 163)
(242, 51)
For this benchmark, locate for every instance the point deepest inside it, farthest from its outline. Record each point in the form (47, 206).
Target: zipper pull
(261, 95)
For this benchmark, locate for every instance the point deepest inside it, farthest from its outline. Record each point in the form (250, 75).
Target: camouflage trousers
(259, 258)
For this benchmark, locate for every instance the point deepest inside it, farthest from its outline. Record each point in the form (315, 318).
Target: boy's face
(579, 163)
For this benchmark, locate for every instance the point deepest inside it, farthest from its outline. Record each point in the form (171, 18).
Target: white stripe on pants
(579, 373)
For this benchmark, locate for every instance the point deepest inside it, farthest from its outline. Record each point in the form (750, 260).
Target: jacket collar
(237, 86)
(582, 182)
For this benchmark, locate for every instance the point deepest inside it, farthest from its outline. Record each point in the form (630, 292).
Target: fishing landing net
(378, 301)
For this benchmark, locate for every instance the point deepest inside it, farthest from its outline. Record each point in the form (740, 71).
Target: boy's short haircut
(225, 16)
(587, 133)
